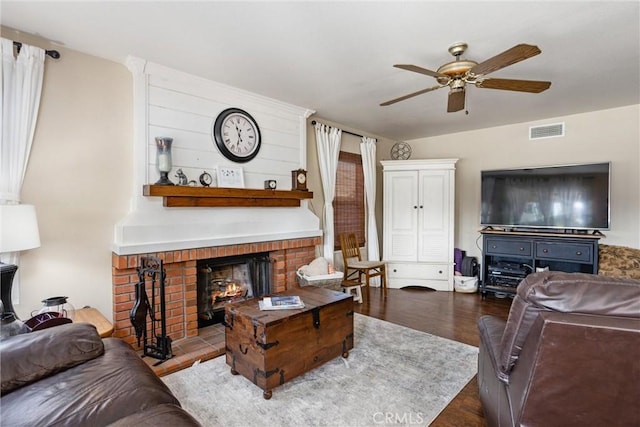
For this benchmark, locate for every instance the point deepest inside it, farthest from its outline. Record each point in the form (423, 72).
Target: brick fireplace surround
(181, 280)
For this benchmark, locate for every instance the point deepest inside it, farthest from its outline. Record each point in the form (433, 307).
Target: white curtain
(20, 92)
(328, 146)
(368, 153)
(21, 88)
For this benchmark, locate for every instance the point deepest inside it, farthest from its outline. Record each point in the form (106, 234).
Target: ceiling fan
(457, 74)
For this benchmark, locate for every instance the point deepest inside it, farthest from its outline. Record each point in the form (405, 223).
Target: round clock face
(302, 178)
(205, 179)
(237, 135)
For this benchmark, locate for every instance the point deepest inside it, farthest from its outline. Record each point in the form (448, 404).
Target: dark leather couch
(68, 376)
(568, 355)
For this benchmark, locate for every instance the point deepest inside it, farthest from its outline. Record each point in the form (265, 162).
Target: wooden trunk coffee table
(271, 347)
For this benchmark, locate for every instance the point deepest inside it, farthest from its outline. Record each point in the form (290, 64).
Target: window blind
(348, 204)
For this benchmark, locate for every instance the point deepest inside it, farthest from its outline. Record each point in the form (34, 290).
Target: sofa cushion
(161, 415)
(98, 392)
(567, 293)
(30, 357)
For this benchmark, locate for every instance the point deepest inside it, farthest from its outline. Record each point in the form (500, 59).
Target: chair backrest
(349, 247)
(579, 293)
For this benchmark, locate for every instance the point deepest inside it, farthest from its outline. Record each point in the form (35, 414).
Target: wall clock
(237, 135)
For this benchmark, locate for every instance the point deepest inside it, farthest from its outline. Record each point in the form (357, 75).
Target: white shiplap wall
(185, 107)
(174, 104)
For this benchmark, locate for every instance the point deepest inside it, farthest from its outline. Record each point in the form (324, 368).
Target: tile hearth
(207, 345)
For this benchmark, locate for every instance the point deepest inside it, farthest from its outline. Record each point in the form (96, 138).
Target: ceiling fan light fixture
(454, 69)
(457, 68)
(457, 74)
(457, 85)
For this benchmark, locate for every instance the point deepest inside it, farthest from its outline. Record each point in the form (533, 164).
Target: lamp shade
(18, 228)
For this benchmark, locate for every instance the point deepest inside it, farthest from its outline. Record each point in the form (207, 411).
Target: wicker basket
(329, 281)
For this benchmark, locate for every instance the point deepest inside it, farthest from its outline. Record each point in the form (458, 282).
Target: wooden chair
(354, 265)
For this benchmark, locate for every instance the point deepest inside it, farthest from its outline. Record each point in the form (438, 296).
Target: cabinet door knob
(420, 206)
(493, 246)
(415, 207)
(440, 272)
(521, 249)
(579, 253)
(395, 271)
(546, 251)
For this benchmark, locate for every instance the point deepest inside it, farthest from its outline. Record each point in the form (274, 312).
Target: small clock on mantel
(299, 180)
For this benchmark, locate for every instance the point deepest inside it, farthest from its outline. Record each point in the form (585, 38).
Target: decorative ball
(400, 151)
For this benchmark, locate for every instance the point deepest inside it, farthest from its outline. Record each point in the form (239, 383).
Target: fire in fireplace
(229, 279)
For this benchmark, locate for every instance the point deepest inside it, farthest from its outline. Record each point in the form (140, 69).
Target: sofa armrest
(491, 380)
(30, 357)
(577, 369)
(565, 293)
(491, 330)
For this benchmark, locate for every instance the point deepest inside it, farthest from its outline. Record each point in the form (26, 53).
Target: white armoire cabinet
(418, 222)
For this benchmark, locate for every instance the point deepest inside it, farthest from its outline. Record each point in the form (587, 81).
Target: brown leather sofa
(568, 355)
(68, 376)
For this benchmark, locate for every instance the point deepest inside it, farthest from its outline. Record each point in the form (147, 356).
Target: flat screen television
(570, 197)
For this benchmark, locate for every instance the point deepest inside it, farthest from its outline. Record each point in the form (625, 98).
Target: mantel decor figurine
(163, 159)
(183, 179)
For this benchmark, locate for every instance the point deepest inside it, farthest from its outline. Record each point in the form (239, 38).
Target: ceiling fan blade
(508, 57)
(420, 70)
(532, 86)
(456, 100)
(411, 95)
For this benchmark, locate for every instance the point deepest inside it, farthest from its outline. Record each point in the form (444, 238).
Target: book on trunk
(287, 302)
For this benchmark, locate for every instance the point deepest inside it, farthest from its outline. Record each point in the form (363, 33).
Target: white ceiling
(336, 57)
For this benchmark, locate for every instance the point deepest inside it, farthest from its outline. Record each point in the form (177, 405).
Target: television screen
(558, 197)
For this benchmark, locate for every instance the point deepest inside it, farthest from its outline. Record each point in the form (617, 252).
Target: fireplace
(230, 279)
(181, 235)
(181, 266)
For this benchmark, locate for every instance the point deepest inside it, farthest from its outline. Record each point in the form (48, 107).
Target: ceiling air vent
(546, 131)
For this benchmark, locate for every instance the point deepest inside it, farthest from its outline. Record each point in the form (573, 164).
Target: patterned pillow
(619, 261)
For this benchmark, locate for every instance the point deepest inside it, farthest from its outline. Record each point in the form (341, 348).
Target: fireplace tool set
(147, 315)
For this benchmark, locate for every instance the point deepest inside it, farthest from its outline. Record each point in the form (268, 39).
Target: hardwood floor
(446, 314)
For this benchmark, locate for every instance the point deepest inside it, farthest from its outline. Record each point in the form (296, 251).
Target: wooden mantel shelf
(184, 196)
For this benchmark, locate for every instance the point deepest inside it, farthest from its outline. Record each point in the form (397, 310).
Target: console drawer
(414, 270)
(566, 252)
(508, 247)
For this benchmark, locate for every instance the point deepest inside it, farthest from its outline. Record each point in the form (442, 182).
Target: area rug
(394, 375)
